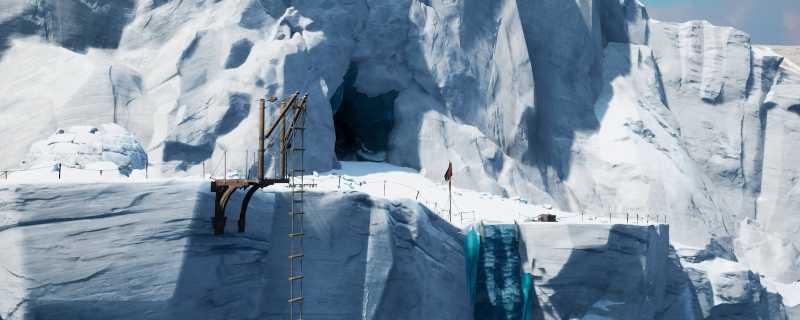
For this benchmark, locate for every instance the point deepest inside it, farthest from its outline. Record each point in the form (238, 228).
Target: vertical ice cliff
(145, 250)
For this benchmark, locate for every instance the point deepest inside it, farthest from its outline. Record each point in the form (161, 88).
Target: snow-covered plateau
(669, 151)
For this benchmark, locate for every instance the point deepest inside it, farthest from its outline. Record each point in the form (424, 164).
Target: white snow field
(577, 108)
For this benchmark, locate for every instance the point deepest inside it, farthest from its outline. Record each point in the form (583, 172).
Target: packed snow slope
(585, 105)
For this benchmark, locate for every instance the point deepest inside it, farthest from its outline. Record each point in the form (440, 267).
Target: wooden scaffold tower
(290, 170)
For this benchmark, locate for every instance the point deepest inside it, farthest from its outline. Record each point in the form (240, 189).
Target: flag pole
(450, 191)
(448, 175)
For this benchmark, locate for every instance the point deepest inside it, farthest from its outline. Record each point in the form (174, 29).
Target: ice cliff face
(144, 250)
(588, 105)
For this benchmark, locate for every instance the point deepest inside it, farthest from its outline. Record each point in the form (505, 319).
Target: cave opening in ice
(362, 123)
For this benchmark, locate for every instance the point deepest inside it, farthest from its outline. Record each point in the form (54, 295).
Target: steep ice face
(109, 147)
(587, 271)
(137, 251)
(633, 116)
(732, 105)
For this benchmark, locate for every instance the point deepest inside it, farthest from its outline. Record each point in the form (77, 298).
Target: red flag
(449, 173)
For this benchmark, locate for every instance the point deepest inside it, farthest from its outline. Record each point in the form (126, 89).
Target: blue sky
(767, 21)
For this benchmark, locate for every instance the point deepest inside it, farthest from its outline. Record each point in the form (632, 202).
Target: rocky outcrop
(727, 290)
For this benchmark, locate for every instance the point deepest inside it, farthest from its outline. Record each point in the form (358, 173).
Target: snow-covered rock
(775, 255)
(727, 290)
(109, 147)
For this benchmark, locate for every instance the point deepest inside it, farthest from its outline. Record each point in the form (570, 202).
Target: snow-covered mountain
(588, 105)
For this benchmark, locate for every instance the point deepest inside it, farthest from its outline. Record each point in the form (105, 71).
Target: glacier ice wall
(145, 250)
(589, 105)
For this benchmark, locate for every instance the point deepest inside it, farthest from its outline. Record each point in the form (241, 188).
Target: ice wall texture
(499, 282)
(145, 251)
(585, 104)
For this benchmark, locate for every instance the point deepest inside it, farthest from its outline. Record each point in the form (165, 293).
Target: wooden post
(146, 165)
(225, 165)
(417, 197)
(283, 147)
(340, 182)
(59, 171)
(261, 115)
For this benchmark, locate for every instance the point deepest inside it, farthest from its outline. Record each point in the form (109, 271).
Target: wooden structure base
(224, 189)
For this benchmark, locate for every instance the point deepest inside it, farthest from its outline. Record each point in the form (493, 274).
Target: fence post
(101, 172)
(225, 165)
(204, 169)
(384, 188)
(59, 171)
(417, 197)
(146, 166)
(340, 182)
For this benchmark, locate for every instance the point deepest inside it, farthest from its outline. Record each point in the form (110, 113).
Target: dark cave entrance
(362, 123)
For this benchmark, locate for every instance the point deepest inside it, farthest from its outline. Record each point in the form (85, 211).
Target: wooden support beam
(261, 121)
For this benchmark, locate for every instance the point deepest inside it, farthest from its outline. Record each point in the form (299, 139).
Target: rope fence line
(219, 166)
(627, 215)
